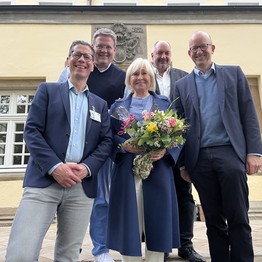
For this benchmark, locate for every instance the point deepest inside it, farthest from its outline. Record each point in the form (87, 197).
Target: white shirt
(163, 82)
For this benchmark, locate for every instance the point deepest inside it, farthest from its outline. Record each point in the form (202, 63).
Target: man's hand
(253, 164)
(69, 174)
(185, 175)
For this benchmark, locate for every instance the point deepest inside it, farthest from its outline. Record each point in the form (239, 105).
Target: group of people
(75, 157)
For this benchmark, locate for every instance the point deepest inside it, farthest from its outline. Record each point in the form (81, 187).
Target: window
(120, 2)
(3, 2)
(243, 2)
(16, 96)
(55, 2)
(14, 107)
(183, 2)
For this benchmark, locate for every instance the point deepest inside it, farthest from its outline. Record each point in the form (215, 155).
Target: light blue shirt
(78, 118)
(78, 121)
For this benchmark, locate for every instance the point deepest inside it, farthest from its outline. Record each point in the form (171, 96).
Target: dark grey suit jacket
(237, 111)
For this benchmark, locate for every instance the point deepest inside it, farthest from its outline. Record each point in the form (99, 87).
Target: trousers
(150, 256)
(34, 216)
(98, 219)
(221, 181)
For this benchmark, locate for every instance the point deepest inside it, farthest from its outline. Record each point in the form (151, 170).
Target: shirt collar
(71, 87)
(212, 69)
(101, 71)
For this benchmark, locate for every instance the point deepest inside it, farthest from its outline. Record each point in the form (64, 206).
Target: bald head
(201, 50)
(161, 56)
(204, 36)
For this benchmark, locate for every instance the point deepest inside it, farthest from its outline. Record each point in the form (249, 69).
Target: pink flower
(172, 122)
(148, 115)
(126, 124)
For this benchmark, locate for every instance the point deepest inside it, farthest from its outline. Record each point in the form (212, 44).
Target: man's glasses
(101, 47)
(78, 55)
(203, 47)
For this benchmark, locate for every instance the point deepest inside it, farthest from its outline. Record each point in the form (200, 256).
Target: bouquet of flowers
(158, 130)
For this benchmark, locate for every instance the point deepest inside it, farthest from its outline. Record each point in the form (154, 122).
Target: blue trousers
(98, 219)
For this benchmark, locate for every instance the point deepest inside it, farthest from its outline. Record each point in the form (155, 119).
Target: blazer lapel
(220, 87)
(193, 91)
(64, 91)
(157, 86)
(91, 106)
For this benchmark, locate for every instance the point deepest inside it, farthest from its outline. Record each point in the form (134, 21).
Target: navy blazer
(237, 111)
(47, 134)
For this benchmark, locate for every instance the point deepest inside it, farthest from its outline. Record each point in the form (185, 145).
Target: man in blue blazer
(68, 136)
(223, 145)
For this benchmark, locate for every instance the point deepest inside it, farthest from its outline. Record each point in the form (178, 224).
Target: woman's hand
(157, 155)
(131, 148)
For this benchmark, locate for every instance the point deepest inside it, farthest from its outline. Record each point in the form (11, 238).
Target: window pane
(2, 138)
(17, 160)
(20, 109)
(19, 127)
(2, 160)
(4, 109)
(18, 137)
(21, 99)
(26, 160)
(3, 127)
(2, 149)
(18, 149)
(5, 99)
(26, 150)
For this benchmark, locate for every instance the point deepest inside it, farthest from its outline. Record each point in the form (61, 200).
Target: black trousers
(186, 206)
(221, 181)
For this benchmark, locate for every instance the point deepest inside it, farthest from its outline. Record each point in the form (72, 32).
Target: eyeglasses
(78, 55)
(101, 47)
(203, 47)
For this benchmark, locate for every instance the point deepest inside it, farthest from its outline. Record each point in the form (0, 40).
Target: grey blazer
(237, 111)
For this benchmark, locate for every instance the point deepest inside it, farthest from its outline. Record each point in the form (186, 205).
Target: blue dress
(159, 195)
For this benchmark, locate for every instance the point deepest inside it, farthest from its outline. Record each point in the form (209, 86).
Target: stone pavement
(200, 244)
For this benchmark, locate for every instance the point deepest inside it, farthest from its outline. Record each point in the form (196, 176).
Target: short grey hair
(105, 32)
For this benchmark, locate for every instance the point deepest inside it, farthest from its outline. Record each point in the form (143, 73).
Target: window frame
(15, 86)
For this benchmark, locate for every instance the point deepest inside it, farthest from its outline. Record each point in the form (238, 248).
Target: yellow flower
(152, 127)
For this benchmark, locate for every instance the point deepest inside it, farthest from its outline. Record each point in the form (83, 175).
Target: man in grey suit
(223, 145)
(166, 76)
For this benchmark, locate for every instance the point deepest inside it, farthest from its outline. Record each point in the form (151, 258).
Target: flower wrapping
(158, 130)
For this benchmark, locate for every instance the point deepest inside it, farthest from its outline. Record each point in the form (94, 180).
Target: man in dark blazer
(166, 77)
(68, 136)
(223, 145)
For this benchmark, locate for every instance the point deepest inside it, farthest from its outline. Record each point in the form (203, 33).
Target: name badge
(95, 116)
